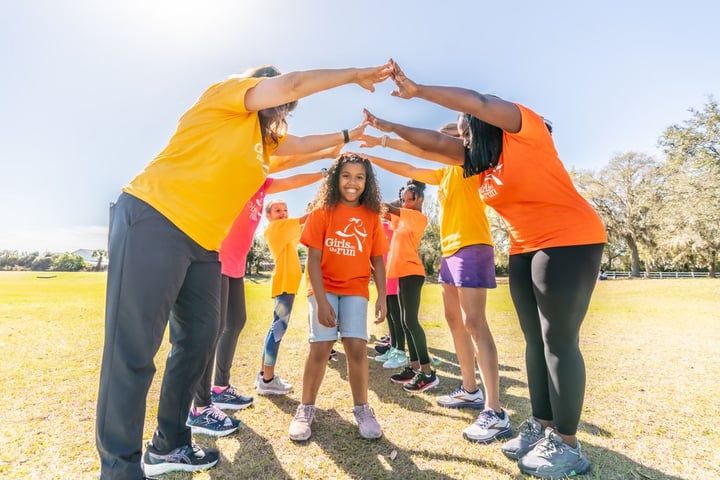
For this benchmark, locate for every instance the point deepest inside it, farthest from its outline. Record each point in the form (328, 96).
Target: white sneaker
(460, 398)
(300, 430)
(367, 423)
(398, 360)
(488, 427)
(276, 386)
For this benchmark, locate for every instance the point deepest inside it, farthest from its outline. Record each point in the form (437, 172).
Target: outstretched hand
(406, 87)
(369, 141)
(368, 77)
(358, 132)
(379, 123)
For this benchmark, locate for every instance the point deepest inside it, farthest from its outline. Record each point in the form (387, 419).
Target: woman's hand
(357, 132)
(368, 77)
(369, 141)
(379, 123)
(406, 87)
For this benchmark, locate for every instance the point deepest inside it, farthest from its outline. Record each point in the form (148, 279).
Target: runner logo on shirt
(487, 189)
(351, 239)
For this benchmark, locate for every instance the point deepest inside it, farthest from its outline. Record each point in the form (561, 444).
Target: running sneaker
(333, 354)
(300, 430)
(386, 356)
(382, 348)
(188, 458)
(531, 433)
(553, 458)
(488, 427)
(397, 360)
(212, 421)
(422, 382)
(276, 386)
(230, 399)
(461, 398)
(367, 423)
(403, 377)
(384, 340)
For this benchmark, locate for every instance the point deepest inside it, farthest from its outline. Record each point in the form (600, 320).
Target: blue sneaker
(230, 399)
(212, 421)
(188, 458)
(552, 458)
(531, 433)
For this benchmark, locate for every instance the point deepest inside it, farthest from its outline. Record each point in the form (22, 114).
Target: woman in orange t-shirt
(557, 243)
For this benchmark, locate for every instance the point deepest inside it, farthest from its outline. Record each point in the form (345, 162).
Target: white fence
(614, 274)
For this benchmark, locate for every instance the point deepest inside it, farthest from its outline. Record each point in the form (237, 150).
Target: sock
(473, 392)
(268, 381)
(219, 390)
(500, 414)
(198, 410)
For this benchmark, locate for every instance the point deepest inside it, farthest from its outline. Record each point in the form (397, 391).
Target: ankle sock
(268, 381)
(219, 390)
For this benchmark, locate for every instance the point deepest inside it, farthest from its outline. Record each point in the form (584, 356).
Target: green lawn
(650, 412)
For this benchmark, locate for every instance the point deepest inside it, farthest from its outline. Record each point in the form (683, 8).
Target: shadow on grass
(381, 458)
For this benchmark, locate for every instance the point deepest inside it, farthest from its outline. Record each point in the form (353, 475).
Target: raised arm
(295, 181)
(293, 86)
(278, 163)
(424, 139)
(404, 146)
(293, 145)
(403, 169)
(489, 108)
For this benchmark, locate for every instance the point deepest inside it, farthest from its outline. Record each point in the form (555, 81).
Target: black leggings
(551, 290)
(409, 296)
(397, 334)
(232, 321)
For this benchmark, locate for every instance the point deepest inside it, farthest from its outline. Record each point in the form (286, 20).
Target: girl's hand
(334, 152)
(357, 132)
(369, 141)
(326, 314)
(406, 87)
(368, 77)
(380, 310)
(380, 124)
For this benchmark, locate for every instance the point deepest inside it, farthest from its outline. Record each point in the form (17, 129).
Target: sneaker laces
(528, 429)
(458, 391)
(216, 414)
(304, 412)
(548, 446)
(364, 413)
(485, 419)
(230, 390)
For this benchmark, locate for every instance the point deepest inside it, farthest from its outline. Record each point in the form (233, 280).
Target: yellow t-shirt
(283, 237)
(462, 213)
(404, 259)
(211, 166)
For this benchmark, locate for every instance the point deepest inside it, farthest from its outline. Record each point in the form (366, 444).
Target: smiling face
(410, 200)
(352, 183)
(277, 211)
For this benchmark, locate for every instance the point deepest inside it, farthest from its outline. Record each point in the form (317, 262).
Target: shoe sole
(273, 392)
(504, 434)
(393, 367)
(232, 406)
(581, 470)
(400, 382)
(300, 438)
(213, 433)
(425, 387)
(473, 405)
(371, 438)
(161, 468)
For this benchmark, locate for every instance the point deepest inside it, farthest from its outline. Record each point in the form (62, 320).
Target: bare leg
(464, 348)
(314, 373)
(357, 365)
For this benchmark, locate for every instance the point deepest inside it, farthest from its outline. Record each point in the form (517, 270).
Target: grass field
(651, 409)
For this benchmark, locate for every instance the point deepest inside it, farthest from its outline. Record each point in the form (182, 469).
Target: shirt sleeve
(379, 243)
(313, 233)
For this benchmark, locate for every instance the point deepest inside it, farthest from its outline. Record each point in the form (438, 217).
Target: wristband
(346, 135)
(323, 172)
(383, 141)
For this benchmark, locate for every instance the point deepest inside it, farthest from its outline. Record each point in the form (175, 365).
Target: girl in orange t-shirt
(557, 243)
(344, 239)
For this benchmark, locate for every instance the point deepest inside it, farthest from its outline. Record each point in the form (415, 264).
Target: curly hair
(416, 187)
(328, 195)
(272, 120)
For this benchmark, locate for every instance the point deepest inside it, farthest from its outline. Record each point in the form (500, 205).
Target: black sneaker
(422, 382)
(230, 399)
(212, 421)
(382, 348)
(333, 354)
(403, 377)
(188, 458)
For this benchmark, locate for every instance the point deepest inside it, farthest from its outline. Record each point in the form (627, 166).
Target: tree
(501, 240)
(259, 253)
(691, 209)
(100, 255)
(69, 262)
(626, 194)
(430, 249)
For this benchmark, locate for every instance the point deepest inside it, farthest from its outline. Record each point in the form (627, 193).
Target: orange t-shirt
(404, 259)
(533, 193)
(348, 237)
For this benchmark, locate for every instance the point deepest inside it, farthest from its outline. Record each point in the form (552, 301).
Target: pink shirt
(391, 284)
(235, 247)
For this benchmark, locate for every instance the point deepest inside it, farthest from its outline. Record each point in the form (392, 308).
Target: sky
(90, 91)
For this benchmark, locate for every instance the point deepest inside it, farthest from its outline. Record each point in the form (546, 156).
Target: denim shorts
(351, 318)
(472, 267)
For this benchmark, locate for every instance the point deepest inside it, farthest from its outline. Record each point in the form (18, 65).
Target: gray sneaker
(531, 432)
(276, 386)
(300, 430)
(367, 423)
(552, 458)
